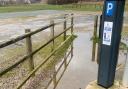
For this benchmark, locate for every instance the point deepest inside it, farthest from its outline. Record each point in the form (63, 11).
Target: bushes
(61, 1)
(11, 2)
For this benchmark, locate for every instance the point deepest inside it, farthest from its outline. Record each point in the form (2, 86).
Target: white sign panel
(107, 33)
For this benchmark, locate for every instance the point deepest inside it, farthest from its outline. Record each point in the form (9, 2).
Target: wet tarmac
(81, 70)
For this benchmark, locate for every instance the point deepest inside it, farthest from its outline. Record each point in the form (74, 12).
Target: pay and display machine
(111, 26)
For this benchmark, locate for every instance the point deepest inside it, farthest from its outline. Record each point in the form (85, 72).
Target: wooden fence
(30, 53)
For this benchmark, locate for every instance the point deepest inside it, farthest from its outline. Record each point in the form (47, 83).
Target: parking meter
(111, 26)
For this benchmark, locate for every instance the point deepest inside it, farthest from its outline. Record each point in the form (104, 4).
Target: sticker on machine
(107, 33)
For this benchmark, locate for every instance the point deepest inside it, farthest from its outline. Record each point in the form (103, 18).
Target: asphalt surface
(81, 70)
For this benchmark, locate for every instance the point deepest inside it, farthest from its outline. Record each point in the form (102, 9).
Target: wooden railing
(30, 53)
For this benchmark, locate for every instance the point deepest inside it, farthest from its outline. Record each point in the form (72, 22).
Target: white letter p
(109, 7)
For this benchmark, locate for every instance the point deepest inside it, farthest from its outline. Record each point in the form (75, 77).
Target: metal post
(29, 50)
(125, 76)
(94, 38)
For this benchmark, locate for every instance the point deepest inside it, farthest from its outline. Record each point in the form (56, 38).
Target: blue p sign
(110, 8)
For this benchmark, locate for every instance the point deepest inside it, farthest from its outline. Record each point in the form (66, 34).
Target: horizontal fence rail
(31, 53)
(12, 41)
(27, 56)
(46, 59)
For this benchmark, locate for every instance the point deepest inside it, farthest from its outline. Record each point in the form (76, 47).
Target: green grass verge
(38, 6)
(124, 35)
(125, 31)
(123, 46)
(33, 7)
(58, 55)
(39, 57)
(126, 6)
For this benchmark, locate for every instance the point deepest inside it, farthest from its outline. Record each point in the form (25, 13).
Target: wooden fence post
(72, 23)
(99, 43)
(54, 78)
(94, 38)
(29, 50)
(125, 75)
(65, 26)
(95, 5)
(52, 34)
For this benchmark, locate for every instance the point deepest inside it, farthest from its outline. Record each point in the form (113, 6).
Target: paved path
(81, 70)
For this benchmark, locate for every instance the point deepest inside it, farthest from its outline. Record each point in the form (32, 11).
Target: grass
(58, 55)
(124, 34)
(38, 6)
(16, 53)
(123, 46)
(33, 7)
(126, 6)
(125, 31)
(22, 70)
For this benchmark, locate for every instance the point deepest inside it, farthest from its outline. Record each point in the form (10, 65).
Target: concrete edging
(93, 85)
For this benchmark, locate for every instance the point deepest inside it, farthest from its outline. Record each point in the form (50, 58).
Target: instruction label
(107, 33)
